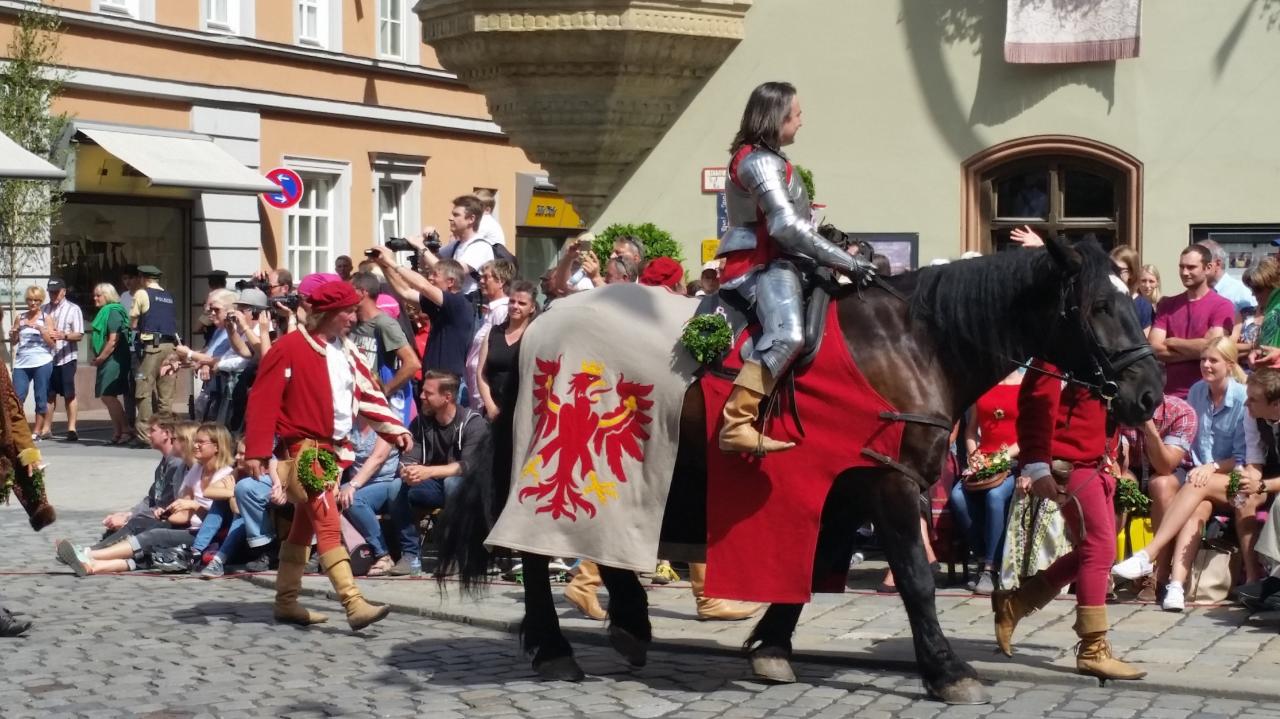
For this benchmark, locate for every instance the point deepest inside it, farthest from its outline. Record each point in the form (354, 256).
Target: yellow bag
(1135, 535)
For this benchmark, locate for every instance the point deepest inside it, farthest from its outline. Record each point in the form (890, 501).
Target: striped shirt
(65, 317)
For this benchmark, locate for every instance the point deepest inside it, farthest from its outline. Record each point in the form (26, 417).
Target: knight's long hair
(766, 110)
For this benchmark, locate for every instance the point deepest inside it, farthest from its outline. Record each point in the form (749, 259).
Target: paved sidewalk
(1216, 651)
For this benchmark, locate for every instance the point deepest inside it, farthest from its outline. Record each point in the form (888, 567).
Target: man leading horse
(770, 236)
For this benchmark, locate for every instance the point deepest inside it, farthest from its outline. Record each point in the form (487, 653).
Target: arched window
(1068, 186)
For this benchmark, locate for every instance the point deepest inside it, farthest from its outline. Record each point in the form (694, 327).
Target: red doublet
(1056, 422)
(1069, 423)
(740, 262)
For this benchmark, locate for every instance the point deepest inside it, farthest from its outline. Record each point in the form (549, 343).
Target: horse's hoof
(964, 691)
(560, 669)
(772, 665)
(631, 647)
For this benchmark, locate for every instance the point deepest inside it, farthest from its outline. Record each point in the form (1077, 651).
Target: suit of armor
(770, 223)
(770, 226)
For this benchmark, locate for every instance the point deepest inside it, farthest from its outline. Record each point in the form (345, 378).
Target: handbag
(1211, 575)
(973, 483)
(171, 560)
(287, 470)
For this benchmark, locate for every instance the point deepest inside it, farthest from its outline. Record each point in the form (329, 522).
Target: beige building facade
(918, 130)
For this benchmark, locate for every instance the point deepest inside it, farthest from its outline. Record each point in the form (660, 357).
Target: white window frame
(136, 9)
(399, 35)
(406, 173)
(240, 15)
(328, 35)
(339, 242)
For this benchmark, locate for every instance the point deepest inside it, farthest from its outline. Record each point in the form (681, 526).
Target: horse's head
(1098, 338)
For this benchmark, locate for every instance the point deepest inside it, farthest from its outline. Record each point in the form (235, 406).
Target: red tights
(1089, 563)
(318, 516)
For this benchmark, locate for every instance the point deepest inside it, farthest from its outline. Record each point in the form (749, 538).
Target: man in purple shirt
(1185, 324)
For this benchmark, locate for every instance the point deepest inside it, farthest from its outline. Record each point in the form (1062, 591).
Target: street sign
(290, 188)
(722, 214)
(714, 179)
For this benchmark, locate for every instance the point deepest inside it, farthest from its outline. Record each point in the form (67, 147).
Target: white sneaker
(1174, 598)
(1139, 565)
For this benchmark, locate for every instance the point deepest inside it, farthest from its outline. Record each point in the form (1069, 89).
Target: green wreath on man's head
(707, 337)
(313, 459)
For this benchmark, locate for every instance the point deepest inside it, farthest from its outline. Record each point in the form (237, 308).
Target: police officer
(154, 317)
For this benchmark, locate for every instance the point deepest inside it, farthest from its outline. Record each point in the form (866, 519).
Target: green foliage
(311, 459)
(1129, 498)
(707, 337)
(806, 179)
(28, 84)
(657, 241)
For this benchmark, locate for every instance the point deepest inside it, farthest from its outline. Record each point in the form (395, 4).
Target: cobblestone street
(162, 647)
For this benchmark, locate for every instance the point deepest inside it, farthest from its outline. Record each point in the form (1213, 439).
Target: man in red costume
(1063, 438)
(309, 388)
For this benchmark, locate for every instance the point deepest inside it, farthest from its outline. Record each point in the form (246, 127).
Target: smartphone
(584, 245)
(371, 254)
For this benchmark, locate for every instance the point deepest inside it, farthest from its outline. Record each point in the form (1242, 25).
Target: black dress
(502, 372)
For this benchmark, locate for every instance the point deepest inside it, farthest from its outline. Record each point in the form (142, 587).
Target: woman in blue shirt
(1219, 402)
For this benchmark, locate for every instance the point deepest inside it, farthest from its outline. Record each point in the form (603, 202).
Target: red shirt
(997, 414)
(1057, 422)
(1189, 319)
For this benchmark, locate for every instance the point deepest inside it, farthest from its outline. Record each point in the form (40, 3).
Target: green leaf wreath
(6, 485)
(1129, 497)
(317, 469)
(707, 337)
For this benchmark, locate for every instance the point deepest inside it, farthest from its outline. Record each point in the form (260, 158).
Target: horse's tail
(465, 524)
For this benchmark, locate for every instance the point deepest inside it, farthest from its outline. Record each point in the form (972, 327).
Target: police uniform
(154, 316)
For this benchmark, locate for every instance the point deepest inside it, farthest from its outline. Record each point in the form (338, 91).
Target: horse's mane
(985, 307)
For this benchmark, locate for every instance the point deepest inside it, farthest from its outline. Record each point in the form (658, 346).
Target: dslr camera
(290, 300)
(242, 285)
(398, 244)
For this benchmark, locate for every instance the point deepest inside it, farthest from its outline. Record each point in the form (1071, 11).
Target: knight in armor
(770, 238)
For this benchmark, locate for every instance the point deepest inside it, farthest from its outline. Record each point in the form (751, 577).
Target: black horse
(931, 342)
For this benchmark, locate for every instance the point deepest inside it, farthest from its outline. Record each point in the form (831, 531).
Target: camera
(290, 300)
(371, 254)
(242, 285)
(398, 244)
(433, 242)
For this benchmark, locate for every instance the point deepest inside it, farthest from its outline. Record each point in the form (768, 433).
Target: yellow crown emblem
(595, 368)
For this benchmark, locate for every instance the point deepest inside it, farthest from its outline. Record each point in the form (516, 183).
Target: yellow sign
(709, 248)
(551, 210)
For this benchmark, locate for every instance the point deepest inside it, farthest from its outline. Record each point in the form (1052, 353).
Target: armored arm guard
(764, 175)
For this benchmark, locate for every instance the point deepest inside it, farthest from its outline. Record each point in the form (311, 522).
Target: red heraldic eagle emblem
(578, 438)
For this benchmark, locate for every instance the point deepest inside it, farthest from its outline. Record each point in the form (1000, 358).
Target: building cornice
(186, 92)
(239, 43)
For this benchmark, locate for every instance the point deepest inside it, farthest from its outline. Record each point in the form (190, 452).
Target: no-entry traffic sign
(290, 188)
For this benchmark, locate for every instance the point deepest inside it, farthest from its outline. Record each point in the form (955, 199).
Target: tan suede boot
(583, 590)
(1011, 607)
(741, 411)
(360, 614)
(293, 562)
(1093, 654)
(715, 609)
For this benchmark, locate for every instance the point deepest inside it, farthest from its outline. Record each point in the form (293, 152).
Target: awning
(16, 161)
(178, 159)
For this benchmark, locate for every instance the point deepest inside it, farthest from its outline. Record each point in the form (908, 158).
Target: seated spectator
(449, 446)
(244, 516)
(212, 474)
(1158, 456)
(981, 513)
(1227, 446)
(371, 487)
(165, 483)
(1263, 280)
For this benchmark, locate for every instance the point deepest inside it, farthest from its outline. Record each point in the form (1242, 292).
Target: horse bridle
(1107, 364)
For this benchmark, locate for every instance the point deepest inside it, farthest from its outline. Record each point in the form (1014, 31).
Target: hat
(56, 284)
(662, 272)
(253, 297)
(332, 295)
(313, 281)
(388, 304)
(712, 266)
(149, 271)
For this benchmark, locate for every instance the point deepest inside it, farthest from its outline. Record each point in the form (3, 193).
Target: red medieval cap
(663, 272)
(333, 296)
